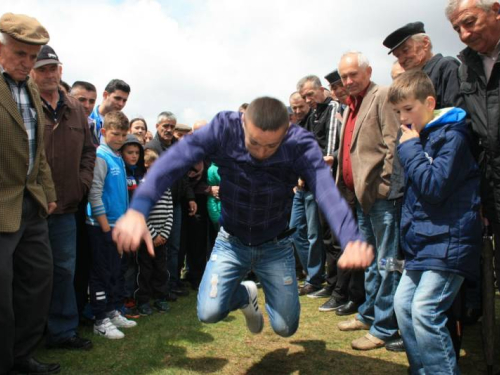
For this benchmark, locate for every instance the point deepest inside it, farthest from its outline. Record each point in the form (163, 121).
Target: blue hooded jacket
(440, 222)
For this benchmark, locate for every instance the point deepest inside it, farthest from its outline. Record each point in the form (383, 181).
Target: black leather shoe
(179, 292)
(325, 292)
(171, 297)
(331, 305)
(308, 288)
(32, 366)
(395, 345)
(348, 309)
(74, 343)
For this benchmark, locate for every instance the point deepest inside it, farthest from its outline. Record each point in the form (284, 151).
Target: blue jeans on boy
(421, 302)
(308, 237)
(273, 262)
(380, 228)
(63, 315)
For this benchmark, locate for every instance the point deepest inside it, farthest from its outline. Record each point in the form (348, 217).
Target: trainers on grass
(161, 305)
(145, 309)
(120, 321)
(253, 316)
(108, 330)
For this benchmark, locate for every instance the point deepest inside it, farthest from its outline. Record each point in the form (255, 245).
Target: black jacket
(482, 103)
(181, 188)
(443, 72)
(318, 123)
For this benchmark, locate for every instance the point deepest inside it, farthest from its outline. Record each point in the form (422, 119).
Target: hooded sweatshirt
(135, 173)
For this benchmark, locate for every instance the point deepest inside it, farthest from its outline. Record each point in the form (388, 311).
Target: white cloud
(198, 57)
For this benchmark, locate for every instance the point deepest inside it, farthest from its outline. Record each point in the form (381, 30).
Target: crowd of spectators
(417, 162)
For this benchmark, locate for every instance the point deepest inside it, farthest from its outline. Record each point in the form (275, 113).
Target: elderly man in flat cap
(27, 196)
(413, 49)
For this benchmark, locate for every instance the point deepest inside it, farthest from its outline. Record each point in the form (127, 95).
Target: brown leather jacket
(70, 153)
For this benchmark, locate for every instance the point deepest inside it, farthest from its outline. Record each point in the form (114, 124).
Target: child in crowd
(213, 201)
(139, 128)
(440, 224)
(132, 153)
(108, 200)
(153, 274)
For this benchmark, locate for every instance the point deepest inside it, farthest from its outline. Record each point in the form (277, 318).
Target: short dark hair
(116, 120)
(84, 85)
(65, 85)
(117, 84)
(268, 114)
(412, 84)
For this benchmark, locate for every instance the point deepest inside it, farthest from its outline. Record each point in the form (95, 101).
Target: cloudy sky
(198, 57)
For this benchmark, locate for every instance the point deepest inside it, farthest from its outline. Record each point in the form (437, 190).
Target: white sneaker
(253, 316)
(108, 330)
(121, 322)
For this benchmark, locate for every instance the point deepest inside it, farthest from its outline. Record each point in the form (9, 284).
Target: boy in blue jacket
(440, 222)
(108, 200)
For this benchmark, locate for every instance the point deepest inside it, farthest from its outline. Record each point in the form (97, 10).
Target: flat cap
(183, 128)
(398, 37)
(333, 77)
(24, 29)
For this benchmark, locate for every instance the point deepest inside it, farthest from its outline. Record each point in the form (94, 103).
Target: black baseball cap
(46, 56)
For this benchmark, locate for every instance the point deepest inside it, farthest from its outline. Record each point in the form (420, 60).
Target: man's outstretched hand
(357, 254)
(130, 231)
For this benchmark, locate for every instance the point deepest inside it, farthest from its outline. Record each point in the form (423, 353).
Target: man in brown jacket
(27, 195)
(366, 155)
(71, 156)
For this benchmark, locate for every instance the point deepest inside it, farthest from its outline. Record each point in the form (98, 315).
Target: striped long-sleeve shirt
(161, 216)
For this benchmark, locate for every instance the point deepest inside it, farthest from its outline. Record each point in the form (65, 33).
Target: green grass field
(177, 343)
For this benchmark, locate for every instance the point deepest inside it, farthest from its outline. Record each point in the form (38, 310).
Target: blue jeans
(380, 227)
(421, 302)
(308, 237)
(63, 315)
(174, 244)
(274, 264)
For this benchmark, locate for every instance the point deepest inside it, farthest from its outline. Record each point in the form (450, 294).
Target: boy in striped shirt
(153, 274)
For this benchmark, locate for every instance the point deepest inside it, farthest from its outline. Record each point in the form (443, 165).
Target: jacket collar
(429, 65)
(365, 106)
(8, 101)
(321, 107)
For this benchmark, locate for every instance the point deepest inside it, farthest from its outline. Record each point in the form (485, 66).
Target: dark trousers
(496, 234)
(197, 241)
(153, 275)
(25, 286)
(63, 314)
(129, 272)
(346, 285)
(350, 286)
(83, 258)
(106, 281)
